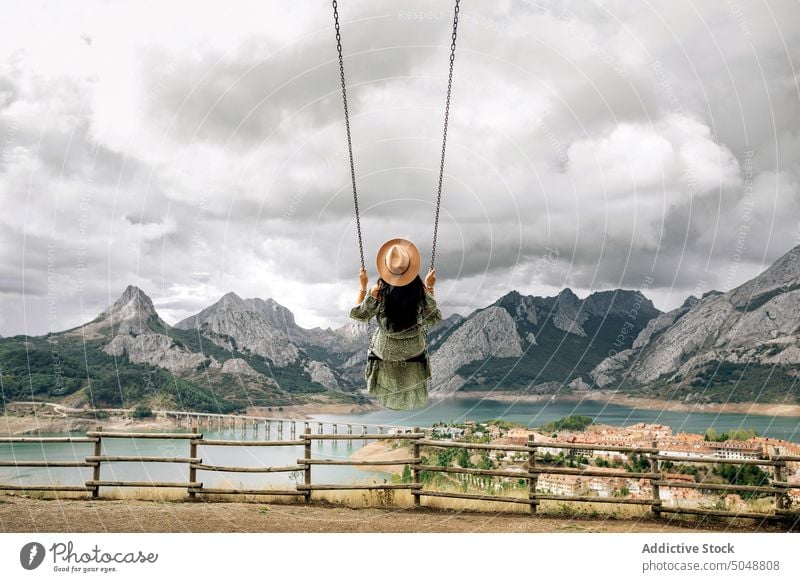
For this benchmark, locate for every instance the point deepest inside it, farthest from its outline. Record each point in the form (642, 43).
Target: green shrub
(573, 423)
(142, 412)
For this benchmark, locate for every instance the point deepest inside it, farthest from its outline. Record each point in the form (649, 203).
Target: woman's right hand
(430, 279)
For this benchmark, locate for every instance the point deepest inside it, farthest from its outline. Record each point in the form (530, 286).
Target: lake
(538, 413)
(211, 455)
(529, 413)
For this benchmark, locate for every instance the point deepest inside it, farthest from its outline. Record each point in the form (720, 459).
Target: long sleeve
(430, 312)
(366, 310)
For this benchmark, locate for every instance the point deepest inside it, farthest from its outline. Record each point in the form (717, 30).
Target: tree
(485, 462)
(463, 458)
(573, 422)
(638, 464)
(743, 475)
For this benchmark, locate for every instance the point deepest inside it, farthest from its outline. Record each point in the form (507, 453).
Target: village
(683, 446)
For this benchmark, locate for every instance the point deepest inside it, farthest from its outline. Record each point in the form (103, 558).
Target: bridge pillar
(349, 429)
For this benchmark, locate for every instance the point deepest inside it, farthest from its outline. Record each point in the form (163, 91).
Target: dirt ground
(23, 514)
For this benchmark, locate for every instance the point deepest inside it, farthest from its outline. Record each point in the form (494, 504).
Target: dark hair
(402, 305)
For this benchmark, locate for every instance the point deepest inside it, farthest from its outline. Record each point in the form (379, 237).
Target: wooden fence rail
(530, 471)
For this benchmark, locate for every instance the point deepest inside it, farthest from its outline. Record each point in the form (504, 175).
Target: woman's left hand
(362, 278)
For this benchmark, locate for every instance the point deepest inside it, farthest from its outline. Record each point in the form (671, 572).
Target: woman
(398, 368)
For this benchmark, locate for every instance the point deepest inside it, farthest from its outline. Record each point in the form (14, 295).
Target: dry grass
(400, 499)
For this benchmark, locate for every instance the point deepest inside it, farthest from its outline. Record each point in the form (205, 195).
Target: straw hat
(398, 262)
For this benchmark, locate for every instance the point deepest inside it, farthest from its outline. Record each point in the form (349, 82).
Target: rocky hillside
(537, 344)
(739, 345)
(266, 328)
(231, 355)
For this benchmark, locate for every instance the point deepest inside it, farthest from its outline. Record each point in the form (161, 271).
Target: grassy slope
(57, 366)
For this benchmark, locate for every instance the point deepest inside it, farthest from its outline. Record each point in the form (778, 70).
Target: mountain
(540, 344)
(135, 331)
(128, 355)
(263, 327)
(743, 345)
(734, 346)
(266, 328)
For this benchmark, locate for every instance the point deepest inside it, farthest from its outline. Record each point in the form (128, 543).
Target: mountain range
(743, 345)
(734, 346)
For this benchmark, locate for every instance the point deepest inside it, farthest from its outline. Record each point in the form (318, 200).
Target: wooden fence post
(96, 471)
(534, 477)
(192, 466)
(307, 455)
(779, 505)
(655, 467)
(415, 473)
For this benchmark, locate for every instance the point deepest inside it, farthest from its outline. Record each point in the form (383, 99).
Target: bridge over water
(281, 425)
(290, 426)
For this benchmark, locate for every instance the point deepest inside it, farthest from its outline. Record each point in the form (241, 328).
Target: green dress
(397, 384)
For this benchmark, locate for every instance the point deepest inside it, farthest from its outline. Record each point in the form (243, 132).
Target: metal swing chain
(347, 125)
(350, 141)
(444, 135)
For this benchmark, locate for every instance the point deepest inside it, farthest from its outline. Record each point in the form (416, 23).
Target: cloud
(631, 141)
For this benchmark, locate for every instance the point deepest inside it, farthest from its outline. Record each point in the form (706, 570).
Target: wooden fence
(777, 487)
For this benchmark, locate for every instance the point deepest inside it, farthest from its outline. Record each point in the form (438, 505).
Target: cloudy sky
(192, 150)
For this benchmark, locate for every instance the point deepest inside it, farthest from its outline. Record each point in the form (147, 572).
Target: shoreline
(45, 419)
(755, 408)
(381, 451)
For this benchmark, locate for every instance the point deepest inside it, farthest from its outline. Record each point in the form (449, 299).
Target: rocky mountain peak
(134, 298)
(273, 312)
(621, 302)
(568, 315)
(231, 298)
(753, 324)
(262, 326)
(131, 312)
(567, 294)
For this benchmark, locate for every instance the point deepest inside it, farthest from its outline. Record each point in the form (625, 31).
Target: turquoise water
(529, 413)
(246, 456)
(538, 413)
